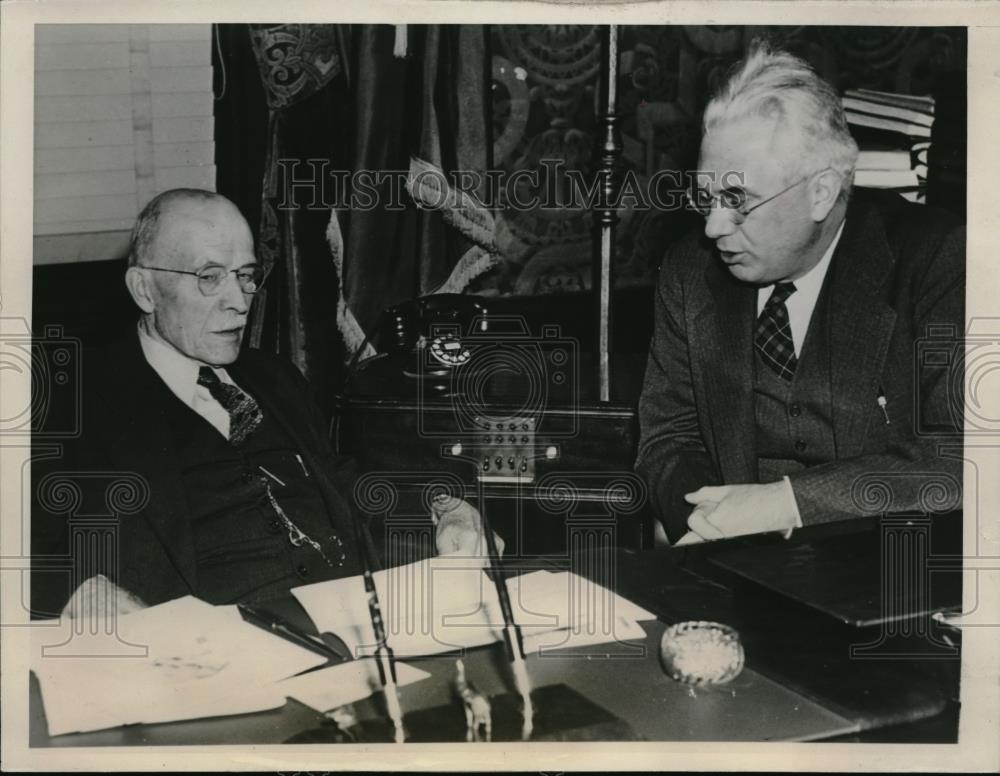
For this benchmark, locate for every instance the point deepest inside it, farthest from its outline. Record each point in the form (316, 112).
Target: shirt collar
(179, 372)
(809, 285)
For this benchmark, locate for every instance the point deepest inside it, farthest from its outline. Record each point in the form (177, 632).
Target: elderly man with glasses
(243, 495)
(784, 366)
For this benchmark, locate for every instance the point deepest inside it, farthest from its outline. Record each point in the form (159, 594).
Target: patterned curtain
(302, 69)
(544, 107)
(356, 98)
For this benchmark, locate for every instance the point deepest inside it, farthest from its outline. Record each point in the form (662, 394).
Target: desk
(799, 683)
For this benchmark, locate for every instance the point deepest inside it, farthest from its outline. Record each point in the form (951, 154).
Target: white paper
(441, 604)
(567, 638)
(338, 685)
(184, 659)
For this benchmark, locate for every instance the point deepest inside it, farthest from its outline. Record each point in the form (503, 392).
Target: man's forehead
(752, 147)
(187, 224)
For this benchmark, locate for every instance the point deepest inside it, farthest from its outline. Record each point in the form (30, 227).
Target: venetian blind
(122, 112)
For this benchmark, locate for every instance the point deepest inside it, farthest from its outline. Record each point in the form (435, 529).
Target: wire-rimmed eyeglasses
(734, 200)
(250, 277)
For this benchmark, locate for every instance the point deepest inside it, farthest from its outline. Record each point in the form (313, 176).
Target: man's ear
(825, 191)
(138, 284)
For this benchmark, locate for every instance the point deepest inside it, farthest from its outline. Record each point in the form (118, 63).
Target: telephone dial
(432, 328)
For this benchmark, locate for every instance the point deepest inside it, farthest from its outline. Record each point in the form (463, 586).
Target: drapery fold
(429, 104)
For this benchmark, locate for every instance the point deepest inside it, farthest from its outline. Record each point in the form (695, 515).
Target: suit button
(302, 571)
(248, 477)
(275, 526)
(795, 410)
(800, 445)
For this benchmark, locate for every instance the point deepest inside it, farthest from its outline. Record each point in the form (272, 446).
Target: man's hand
(733, 510)
(460, 528)
(98, 596)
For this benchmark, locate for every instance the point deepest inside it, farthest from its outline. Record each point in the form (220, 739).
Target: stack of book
(893, 132)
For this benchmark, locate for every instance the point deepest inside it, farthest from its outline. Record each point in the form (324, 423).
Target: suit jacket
(125, 434)
(896, 286)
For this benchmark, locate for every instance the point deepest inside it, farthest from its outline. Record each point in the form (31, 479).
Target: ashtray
(700, 653)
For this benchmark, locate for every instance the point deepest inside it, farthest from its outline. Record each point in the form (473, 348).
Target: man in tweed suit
(783, 366)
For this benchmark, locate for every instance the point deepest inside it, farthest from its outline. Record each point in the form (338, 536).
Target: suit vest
(245, 550)
(794, 419)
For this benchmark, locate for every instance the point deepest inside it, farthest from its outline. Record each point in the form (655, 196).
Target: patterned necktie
(244, 413)
(773, 338)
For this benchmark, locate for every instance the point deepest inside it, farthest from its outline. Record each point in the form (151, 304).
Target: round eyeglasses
(251, 277)
(734, 200)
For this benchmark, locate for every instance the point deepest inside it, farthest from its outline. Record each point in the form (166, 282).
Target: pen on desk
(883, 403)
(289, 632)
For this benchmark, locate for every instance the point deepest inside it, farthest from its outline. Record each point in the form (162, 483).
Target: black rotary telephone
(431, 329)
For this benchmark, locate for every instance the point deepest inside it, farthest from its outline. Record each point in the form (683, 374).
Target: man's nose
(232, 297)
(719, 223)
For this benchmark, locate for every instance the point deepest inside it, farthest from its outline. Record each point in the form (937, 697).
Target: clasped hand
(721, 511)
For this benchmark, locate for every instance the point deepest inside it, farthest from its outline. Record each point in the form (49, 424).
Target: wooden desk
(800, 682)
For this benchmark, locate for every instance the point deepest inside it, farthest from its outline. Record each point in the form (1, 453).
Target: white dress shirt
(180, 373)
(801, 304)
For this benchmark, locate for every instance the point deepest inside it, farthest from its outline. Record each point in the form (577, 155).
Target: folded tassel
(399, 44)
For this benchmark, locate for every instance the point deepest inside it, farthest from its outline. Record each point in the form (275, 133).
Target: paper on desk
(445, 603)
(339, 685)
(567, 638)
(184, 659)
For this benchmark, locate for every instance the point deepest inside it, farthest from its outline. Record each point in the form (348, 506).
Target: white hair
(777, 85)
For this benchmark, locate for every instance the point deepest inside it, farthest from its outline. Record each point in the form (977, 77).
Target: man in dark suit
(236, 493)
(783, 368)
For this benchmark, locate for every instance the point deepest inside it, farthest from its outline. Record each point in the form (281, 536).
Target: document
(184, 659)
(445, 603)
(329, 688)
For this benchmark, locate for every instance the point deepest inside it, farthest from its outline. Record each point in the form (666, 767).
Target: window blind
(122, 112)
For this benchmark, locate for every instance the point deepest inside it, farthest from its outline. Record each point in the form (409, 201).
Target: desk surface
(846, 578)
(799, 683)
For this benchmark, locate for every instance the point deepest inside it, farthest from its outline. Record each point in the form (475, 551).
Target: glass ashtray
(701, 653)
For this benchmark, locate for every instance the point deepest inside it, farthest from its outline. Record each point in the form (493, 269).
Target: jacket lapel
(722, 353)
(861, 324)
(279, 407)
(142, 441)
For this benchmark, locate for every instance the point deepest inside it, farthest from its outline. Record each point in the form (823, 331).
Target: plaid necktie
(773, 338)
(244, 413)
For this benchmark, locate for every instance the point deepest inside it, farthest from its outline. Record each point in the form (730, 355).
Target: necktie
(244, 413)
(773, 338)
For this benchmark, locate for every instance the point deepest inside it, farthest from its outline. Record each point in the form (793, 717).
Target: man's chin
(221, 356)
(743, 273)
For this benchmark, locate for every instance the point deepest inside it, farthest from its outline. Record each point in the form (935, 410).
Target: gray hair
(777, 85)
(148, 223)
